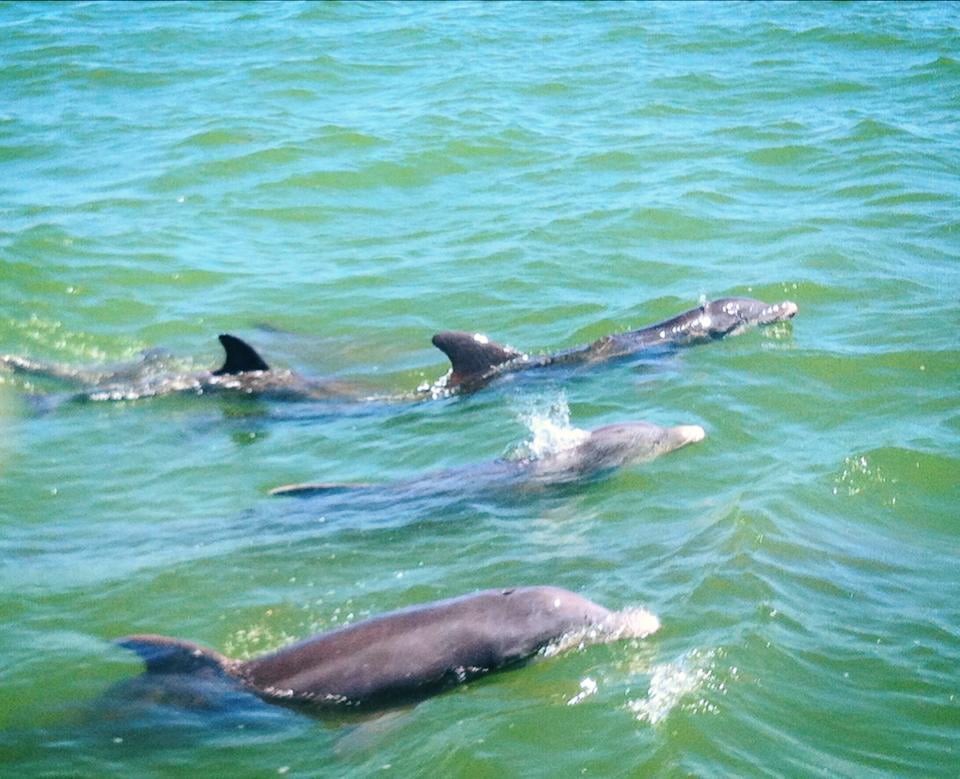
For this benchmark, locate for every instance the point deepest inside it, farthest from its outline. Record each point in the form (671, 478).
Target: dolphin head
(615, 446)
(729, 316)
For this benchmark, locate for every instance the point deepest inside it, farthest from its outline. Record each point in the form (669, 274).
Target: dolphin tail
(171, 655)
(241, 357)
(46, 404)
(471, 355)
(307, 489)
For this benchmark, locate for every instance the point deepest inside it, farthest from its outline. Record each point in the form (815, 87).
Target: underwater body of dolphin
(593, 452)
(405, 655)
(243, 371)
(476, 361)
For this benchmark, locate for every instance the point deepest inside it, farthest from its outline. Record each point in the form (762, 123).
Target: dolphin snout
(691, 434)
(790, 309)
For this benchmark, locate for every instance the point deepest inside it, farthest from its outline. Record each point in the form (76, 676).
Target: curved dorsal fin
(471, 355)
(171, 655)
(241, 357)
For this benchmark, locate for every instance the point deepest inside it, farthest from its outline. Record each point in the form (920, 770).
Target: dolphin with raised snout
(476, 360)
(243, 371)
(591, 453)
(405, 655)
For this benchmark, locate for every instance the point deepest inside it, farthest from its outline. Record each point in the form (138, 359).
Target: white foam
(672, 682)
(550, 429)
(588, 687)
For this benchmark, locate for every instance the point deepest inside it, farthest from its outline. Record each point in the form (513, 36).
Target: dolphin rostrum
(476, 360)
(406, 655)
(589, 453)
(243, 371)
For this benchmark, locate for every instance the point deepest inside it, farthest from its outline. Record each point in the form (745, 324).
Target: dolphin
(243, 371)
(476, 360)
(403, 656)
(589, 454)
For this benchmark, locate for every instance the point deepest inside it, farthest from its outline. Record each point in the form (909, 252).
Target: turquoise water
(336, 182)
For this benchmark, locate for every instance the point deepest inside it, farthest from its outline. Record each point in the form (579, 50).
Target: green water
(336, 182)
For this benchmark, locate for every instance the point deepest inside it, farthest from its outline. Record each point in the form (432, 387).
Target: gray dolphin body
(603, 449)
(405, 655)
(476, 361)
(244, 371)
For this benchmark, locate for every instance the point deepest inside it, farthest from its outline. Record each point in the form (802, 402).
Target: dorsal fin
(241, 357)
(171, 655)
(471, 355)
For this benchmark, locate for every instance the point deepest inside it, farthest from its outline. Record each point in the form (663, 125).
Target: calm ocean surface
(336, 182)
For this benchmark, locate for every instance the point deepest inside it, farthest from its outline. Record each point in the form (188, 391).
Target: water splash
(859, 475)
(548, 421)
(438, 390)
(671, 682)
(588, 687)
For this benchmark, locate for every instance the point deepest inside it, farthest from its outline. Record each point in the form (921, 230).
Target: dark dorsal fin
(471, 355)
(241, 357)
(307, 489)
(171, 655)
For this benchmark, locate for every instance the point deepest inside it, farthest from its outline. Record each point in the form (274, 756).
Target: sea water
(336, 182)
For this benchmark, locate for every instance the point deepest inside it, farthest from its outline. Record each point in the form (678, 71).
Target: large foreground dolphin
(405, 655)
(243, 371)
(476, 360)
(590, 453)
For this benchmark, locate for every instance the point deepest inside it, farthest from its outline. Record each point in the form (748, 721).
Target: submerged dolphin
(476, 361)
(602, 449)
(243, 371)
(405, 655)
